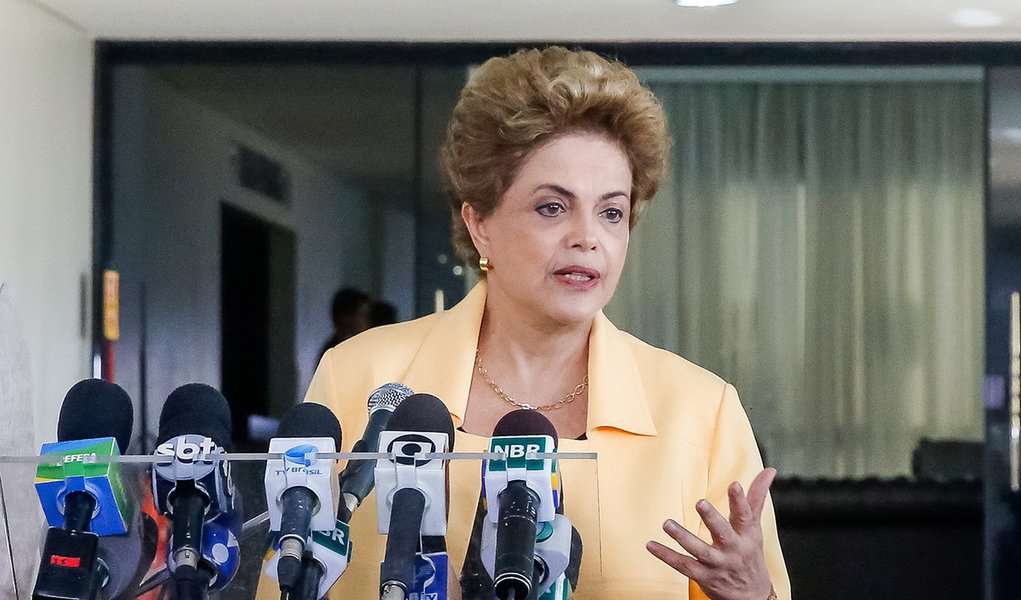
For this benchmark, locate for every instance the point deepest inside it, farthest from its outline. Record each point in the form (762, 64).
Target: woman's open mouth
(577, 276)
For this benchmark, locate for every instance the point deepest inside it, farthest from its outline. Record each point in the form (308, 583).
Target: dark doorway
(257, 319)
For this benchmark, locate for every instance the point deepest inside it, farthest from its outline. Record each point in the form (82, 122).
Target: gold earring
(484, 263)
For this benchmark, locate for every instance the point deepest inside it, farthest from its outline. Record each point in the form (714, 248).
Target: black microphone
(94, 408)
(196, 491)
(83, 502)
(411, 491)
(521, 495)
(357, 480)
(297, 487)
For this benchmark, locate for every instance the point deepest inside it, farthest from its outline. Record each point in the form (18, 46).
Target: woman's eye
(613, 215)
(551, 210)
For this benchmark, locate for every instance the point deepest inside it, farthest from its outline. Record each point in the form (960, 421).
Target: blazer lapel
(616, 394)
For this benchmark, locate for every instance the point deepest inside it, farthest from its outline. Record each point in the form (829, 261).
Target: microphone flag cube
(407, 469)
(301, 466)
(540, 474)
(75, 469)
(191, 457)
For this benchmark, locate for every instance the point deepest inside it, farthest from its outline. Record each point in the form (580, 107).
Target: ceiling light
(703, 3)
(976, 17)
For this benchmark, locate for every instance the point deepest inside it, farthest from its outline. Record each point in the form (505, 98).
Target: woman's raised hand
(734, 566)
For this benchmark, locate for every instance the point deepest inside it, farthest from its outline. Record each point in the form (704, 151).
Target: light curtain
(820, 246)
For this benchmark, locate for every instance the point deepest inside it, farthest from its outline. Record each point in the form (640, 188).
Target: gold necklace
(578, 389)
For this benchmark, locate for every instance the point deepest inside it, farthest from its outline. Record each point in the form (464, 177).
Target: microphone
(552, 557)
(196, 491)
(75, 491)
(299, 487)
(357, 479)
(220, 558)
(322, 564)
(520, 493)
(411, 498)
(83, 498)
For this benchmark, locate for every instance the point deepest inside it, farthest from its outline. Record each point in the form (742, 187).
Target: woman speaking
(551, 157)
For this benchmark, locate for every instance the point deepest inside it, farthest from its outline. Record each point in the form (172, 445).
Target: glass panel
(23, 528)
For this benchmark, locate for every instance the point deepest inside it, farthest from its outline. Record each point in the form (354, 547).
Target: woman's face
(558, 238)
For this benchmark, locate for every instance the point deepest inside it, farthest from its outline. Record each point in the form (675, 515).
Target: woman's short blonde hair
(513, 105)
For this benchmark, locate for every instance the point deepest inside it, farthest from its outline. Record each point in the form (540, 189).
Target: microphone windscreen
(309, 419)
(525, 422)
(388, 397)
(197, 409)
(421, 413)
(94, 408)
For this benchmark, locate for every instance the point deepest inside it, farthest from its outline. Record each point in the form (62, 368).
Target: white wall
(172, 168)
(46, 198)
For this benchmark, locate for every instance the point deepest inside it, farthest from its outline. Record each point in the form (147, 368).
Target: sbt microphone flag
(75, 469)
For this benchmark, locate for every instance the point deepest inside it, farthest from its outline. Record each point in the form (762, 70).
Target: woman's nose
(583, 232)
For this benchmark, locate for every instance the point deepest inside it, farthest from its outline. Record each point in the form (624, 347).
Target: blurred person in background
(351, 312)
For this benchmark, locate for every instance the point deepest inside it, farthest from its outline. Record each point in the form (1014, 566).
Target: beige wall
(46, 198)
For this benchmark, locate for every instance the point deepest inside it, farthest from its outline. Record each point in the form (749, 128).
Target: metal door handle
(1015, 391)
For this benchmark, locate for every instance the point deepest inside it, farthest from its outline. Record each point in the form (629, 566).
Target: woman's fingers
(734, 564)
(717, 524)
(759, 488)
(741, 516)
(686, 565)
(695, 545)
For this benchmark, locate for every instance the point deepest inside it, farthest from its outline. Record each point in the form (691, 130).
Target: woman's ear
(477, 228)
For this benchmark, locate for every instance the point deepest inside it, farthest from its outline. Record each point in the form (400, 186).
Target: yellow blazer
(667, 433)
